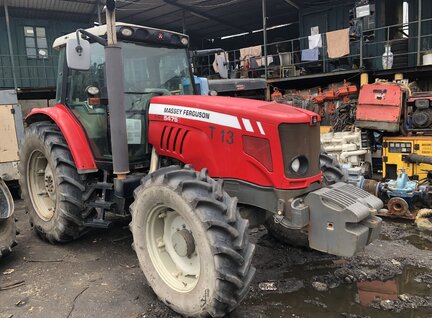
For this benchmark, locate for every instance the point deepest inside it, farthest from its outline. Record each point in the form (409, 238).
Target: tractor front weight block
(341, 219)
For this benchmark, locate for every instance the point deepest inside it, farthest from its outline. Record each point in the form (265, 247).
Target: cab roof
(101, 30)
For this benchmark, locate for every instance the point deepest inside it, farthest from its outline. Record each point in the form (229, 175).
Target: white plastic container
(387, 58)
(427, 59)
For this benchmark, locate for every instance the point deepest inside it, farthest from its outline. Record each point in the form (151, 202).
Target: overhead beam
(293, 4)
(96, 11)
(39, 13)
(128, 16)
(204, 15)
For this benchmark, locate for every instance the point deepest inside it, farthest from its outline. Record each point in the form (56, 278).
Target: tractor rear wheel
(191, 242)
(332, 173)
(50, 184)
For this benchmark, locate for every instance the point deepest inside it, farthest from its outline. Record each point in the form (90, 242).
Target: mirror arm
(95, 38)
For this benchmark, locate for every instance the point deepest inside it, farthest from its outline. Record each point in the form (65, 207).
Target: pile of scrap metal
(336, 105)
(402, 117)
(403, 197)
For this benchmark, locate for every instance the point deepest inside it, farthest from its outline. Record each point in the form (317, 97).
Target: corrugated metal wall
(31, 72)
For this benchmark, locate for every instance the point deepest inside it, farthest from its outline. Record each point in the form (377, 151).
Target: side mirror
(78, 54)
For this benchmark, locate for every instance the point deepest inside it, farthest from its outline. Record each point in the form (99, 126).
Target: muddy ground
(99, 276)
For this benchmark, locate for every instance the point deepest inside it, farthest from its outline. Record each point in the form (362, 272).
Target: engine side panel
(71, 130)
(214, 140)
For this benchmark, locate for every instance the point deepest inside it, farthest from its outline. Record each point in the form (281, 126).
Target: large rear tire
(332, 173)
(191, 242)
(50, 184)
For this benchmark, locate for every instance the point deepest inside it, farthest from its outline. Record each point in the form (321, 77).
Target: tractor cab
(155, 62)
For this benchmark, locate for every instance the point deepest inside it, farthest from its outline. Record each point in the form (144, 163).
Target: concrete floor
(99, 276)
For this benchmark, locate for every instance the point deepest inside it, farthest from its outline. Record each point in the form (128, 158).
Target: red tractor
(128, 135)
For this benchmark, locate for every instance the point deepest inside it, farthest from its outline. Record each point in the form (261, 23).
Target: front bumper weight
(341, 219)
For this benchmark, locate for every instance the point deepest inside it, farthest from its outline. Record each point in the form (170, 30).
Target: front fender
(71, 130)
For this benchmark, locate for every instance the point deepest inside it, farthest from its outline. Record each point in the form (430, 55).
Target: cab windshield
(148, 68)
(148, 71)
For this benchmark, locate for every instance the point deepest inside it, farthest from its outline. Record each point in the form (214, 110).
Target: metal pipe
(361, 44)
(264, 14)
(419, 29)
(292, 4)
(115, 89)
(11, 53)
(415, 158)
(99, 12)
(184, 22)
(344, 155)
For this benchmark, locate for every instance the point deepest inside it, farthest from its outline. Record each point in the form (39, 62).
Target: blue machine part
(202, 85)
(402, 187)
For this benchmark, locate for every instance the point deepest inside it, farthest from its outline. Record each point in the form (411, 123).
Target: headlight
(185, 41)
(299, 165)
(295, 165)
(126, 31)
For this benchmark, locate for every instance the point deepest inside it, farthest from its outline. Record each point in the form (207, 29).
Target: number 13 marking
(227, 136)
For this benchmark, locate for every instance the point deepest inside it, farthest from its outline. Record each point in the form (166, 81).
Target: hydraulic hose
(415, 158)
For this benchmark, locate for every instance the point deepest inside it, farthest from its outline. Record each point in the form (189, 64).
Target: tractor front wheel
(50, 184)
(191, 242)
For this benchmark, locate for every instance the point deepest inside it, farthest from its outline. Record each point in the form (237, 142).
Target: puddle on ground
(351, 299)
(420, 242)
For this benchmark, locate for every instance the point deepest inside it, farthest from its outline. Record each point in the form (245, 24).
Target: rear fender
(71, 130)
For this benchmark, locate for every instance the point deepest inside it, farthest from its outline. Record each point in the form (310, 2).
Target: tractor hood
(268, 112)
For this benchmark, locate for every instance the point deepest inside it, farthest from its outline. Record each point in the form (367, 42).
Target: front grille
(300, 140)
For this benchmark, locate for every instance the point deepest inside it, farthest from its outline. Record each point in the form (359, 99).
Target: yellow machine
(396, 149)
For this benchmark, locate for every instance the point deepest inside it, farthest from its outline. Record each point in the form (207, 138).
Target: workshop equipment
(396, 153)
(418, 113)
(403, 197)
(136, 147)
(392, 107)
(380, 107)
(350, 148)
(401, 194)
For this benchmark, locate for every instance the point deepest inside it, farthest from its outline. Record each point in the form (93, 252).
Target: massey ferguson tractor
(128, 136)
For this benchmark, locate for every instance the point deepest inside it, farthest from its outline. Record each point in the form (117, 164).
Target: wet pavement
(99, 276)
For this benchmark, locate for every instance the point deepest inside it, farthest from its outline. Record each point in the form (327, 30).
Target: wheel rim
(172, 249)
(42, 187)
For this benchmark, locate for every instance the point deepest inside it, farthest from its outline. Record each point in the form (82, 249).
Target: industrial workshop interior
(209, 158)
